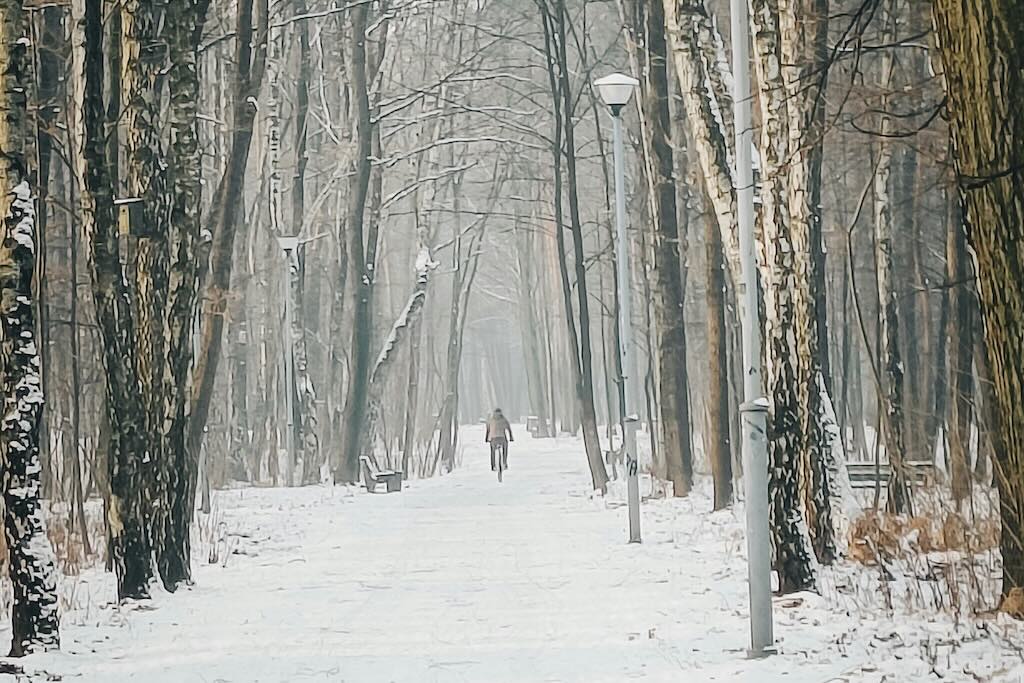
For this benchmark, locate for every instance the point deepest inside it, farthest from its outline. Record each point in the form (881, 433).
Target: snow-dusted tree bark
(128, 544)
(888, 312)
(399, 334)
(786, 296)
(34, 619)
(145, 181)
(982, 50)
(183, 24)
(984, 409)
(307, 439)
(804, 32)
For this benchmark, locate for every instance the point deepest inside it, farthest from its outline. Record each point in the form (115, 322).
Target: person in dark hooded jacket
(499, 433)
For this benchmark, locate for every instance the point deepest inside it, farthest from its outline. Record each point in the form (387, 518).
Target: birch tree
(689, 27)
(184, 20)
(803, 46)
(142, 55)
(789, 333)
(35, 623)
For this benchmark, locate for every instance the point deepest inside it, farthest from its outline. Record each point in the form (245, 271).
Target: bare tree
(250, 62)
(554, 20)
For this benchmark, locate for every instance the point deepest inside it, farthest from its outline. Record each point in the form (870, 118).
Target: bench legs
(392, 482)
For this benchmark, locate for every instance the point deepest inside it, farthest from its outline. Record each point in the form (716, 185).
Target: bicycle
(501, 453)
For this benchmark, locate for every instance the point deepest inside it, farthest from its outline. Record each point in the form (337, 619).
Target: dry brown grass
(876, 535)
(943, 557)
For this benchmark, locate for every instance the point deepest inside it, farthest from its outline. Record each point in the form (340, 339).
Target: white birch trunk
(703, 110)
(821, 459)
(785, 294)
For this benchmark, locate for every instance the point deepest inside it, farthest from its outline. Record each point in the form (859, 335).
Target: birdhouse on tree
(130, 221)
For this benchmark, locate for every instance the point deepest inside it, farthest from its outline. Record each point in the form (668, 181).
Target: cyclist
(499, 433)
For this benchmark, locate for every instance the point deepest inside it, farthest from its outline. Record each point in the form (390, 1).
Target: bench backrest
(860, 472)
(369, 470)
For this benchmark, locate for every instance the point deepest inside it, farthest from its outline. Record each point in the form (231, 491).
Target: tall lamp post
(288, 246)
(754, 411)
(616, 91)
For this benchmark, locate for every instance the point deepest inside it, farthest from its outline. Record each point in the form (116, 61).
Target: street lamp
(754, 411)
(288, 245)
(616, 91)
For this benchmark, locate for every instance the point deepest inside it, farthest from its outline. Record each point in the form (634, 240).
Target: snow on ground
(462, 579)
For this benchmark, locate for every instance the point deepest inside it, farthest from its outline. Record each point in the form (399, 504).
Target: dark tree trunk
(554, 20)
(128, 545)
(306, 412)
(717, 442)
(961, 360)
(984, 409)
(982, 49)
(184, 19)
(250, 61)
(892, 372)
(146, 181)
(669, 310)
(360, 255)
(941, 395)
(51, 47)
(411, 397)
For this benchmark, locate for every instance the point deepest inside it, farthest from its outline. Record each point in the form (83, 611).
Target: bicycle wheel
(501, 463)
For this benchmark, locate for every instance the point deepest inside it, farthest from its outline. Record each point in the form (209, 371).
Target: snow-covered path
(459, 579)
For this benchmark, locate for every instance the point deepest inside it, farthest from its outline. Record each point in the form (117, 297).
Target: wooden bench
(537, 426)
(372, 477)
(866, 475)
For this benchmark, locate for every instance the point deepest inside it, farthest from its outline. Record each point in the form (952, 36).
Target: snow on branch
(424, 264)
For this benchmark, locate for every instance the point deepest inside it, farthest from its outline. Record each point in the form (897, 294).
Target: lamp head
(616, 89)
(288, 243)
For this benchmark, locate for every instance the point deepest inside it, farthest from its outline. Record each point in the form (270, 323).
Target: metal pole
(628, 358)
(289, 382)
(754, 410)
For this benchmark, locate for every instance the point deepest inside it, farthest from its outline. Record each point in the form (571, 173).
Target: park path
(455, 579)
